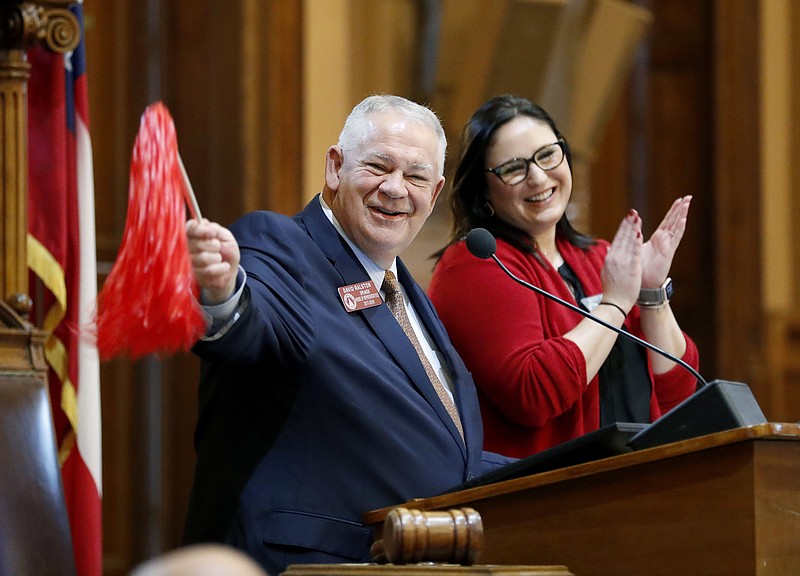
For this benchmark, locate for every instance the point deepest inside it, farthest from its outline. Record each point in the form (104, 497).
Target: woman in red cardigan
(546, 374)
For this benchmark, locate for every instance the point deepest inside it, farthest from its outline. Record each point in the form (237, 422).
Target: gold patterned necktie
(394, 299)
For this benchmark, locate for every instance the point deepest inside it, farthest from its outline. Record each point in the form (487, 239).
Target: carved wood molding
(23, 25)
(21, 346)
(48, 23)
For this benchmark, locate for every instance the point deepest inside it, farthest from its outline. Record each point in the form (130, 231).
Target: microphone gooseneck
(482, 244)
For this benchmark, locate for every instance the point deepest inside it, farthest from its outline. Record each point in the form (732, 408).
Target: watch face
(668, 289)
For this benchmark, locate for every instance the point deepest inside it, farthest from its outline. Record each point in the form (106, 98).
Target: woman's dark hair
(468, 199)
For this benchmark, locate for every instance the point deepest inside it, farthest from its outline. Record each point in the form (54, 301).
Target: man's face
(384, 188)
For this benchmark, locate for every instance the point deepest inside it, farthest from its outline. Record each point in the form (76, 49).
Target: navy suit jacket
(311, 415)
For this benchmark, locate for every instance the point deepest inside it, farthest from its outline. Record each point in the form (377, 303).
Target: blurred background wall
(659, 99)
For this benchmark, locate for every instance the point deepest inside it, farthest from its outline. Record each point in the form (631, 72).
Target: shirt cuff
(221, 317)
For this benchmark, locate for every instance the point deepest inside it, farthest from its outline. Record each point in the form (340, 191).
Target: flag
(62, 259)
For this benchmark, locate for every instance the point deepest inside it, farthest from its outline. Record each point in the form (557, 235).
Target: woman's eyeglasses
(516, 170)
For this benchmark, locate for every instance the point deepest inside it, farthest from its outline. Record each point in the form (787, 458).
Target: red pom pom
(148, 302)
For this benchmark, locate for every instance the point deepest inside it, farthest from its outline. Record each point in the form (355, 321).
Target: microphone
(715, 407)
(482, 244)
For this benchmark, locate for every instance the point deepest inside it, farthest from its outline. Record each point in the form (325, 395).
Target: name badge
(356, 297)
(592, 302)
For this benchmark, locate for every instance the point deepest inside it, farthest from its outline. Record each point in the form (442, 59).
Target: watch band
(656, 297)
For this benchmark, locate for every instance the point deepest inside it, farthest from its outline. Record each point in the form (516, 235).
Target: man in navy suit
(315, 406)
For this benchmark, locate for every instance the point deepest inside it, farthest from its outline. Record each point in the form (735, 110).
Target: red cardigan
(531, 380)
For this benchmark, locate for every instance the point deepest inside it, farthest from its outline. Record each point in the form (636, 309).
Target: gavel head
(452, 536)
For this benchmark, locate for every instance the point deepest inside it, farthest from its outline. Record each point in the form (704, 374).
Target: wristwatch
(656, 297)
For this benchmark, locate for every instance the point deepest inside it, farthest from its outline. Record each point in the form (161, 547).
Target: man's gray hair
(354, 130)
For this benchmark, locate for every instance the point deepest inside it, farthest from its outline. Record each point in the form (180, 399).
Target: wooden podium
(723, 504)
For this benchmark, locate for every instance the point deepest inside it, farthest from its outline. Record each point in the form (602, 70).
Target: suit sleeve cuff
(221, 317)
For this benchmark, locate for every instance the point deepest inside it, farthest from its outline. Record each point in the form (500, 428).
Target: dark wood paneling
(179, 410)
(688, 125)
(236, 107)
(234, 72)
(736, 216)
(794, 122)
(610, 173)
(204, 91)
(659, 146)
(115, 36)
(282, 98)
(680, 138)
(118, 477)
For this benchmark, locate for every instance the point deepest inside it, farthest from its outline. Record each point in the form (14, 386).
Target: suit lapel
(385, 327)
(435, 329)
(379, 318)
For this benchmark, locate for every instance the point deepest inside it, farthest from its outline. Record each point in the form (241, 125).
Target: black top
(625, 386)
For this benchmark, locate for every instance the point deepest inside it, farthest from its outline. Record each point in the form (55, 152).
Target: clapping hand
(622, 270)
(658, 251)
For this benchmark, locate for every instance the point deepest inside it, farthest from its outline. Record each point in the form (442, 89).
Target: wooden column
(23, 25)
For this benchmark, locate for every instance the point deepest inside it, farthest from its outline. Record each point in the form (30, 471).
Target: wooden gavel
(412, 536)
